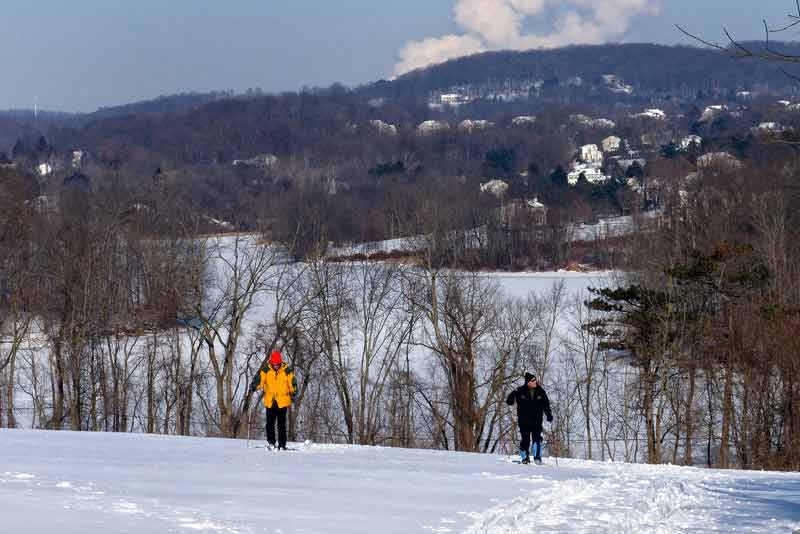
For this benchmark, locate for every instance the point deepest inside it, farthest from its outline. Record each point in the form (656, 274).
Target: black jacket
(532, 405)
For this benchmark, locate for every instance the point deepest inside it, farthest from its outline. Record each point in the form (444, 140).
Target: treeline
(330, 169)
(130, 320)
(119, 315)
(163, 104)
(314, 163)
(709, 316)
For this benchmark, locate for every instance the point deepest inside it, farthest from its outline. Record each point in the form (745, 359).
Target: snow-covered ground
(604, 228)
(82, 483)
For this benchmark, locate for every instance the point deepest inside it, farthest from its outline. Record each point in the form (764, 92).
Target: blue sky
(81, 54)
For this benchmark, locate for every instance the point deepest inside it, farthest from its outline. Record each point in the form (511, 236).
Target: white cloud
(417, 54)
(499, 24)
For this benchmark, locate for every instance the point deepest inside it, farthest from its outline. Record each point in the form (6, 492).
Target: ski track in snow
(627, 500)
(619, 503)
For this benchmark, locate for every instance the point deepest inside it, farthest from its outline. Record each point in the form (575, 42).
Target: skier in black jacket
(532, 404)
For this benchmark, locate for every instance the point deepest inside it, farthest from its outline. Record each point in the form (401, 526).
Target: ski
(520, 462)
(274, 449)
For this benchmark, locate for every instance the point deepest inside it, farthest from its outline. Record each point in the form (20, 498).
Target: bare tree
(237, 271)
(583, 358)
(549, 309)
(294, 294)
(384, 326)
(331, 312)
(738, 49)
(460, 310)
(512, 340)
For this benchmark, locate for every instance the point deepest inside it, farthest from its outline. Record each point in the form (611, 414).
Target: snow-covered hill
(82, 483)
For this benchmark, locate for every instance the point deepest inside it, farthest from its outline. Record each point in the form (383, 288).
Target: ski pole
(555, 440)
(250, 420)
(556, 452)
(249, 424)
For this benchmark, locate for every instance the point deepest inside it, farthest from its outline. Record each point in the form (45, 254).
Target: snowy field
(78, 483)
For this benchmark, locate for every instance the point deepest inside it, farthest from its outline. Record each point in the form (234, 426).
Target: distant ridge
(649, 66)
(175, 103)
(162, 104)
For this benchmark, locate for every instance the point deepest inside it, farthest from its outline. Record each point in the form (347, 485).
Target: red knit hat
(275, 358)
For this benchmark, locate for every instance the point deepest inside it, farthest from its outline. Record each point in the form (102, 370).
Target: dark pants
(274, 413)
(525, 443)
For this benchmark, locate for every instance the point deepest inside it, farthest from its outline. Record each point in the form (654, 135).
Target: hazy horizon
(79, 57)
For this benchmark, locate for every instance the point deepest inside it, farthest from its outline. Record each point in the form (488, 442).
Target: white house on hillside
(469, 125)
(712, 111)
(264, 161)
(616, 85)
(44, 169)
(590, 154)
(690, 140)
(592, 174)
(653, 113)
(523, 120)
(430, 127)
(769, 127)
(77, 158)
(495, 187)
(611, 143)
(454, 99)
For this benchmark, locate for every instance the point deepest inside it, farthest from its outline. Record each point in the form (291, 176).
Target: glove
(549, 418)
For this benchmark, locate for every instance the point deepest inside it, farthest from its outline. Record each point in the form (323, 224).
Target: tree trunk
(588, 416)
(710, 403)
(464, 416)
(12, 361)
(189, 397)
(648, 405)
(93, 379)
(75, 405)
(58, 386)
(727, 415)
(151, 388)
(104, 393)
(689, 419)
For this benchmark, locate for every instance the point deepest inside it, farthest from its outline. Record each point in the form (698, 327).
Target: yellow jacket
(278, 386)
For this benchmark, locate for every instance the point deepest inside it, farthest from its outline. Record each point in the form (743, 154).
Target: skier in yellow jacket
(279, 385)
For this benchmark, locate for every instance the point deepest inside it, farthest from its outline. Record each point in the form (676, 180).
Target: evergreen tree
(559, 177)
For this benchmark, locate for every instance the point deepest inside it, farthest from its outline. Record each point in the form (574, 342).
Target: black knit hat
(529, 377)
